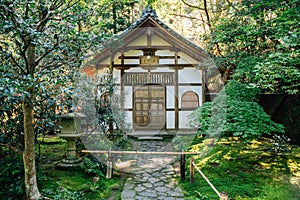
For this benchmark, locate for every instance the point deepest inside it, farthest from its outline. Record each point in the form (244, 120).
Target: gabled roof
(149, 19)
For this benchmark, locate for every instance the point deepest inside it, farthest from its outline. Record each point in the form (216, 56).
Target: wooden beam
(127, 66)
(140, 152)
(137, 57)
(128, 48)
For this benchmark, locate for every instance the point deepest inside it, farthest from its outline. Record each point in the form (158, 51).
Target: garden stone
(152, 176)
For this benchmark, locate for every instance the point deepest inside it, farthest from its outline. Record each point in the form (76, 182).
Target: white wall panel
(170, 120)
(128, 97)
(162, 69)
(116, 75)
(184, 120)
(170, 97)
(128, 118)
(189, 75)
(136, 69)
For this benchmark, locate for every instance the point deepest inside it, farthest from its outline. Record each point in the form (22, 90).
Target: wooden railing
(110, 163)
(193, 166)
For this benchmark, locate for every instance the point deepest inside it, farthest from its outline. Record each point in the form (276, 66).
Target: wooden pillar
(223, 196)
(192, 170)
(182, 167)
(176, 103)
(203, 84)
(122, 81)
(109, 165)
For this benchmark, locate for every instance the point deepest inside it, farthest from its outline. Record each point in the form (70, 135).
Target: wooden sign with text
(146, 60)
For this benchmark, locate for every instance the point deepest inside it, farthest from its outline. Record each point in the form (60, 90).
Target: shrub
(11, 176)
(234, 112)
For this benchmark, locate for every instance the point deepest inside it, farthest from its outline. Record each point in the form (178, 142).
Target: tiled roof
(148, 12)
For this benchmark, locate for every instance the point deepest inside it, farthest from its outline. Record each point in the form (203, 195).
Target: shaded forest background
(44, 43)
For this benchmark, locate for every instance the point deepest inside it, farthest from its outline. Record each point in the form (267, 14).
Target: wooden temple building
(158, 72)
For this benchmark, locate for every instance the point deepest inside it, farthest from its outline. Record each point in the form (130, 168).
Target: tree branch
(189, 17)
(49, 51)
(192, 6)
(230, 4)
(70, 5)
(16, 63)
(57, 65)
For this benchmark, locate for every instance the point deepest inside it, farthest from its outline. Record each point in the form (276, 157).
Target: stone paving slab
(151, 176)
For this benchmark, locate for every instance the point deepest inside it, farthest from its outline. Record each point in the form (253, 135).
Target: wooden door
(149, 107)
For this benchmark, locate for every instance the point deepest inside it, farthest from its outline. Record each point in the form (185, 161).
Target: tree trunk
(31, 188)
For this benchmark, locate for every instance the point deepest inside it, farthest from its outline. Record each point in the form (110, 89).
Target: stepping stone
(150, 138)
(128, 194)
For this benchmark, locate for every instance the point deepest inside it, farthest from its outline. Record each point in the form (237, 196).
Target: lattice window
(189, 100)
(164, 78)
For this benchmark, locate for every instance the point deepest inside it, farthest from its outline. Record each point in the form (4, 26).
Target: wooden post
(223, 196)
(109, 165)
(192, 170)
(203, 84)
(122, 79)
(176, 93)
(182, 167)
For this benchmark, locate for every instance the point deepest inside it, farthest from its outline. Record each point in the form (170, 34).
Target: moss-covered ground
(244, 171)
(72, 183)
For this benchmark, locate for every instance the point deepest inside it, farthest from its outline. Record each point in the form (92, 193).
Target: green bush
(11, 176)
(93, 167)
(234, 112)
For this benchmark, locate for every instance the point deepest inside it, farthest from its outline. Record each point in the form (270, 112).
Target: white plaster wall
(189, 75)
(170, 120)
(128, 97)
(162, 69)
(170, 97)
(133, 53)
(186, 59)
(158, 41)
(139, 41)
(183, 116)
(136, 69)
(116, 75)
(128, 119)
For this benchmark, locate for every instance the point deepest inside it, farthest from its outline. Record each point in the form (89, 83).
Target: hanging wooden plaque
(146, 60)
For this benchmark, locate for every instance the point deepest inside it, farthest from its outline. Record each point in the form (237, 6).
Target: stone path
(151, 176)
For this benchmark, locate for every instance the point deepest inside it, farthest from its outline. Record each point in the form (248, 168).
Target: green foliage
(99, 101)
(64, 194)
(108, 110)
(93, 167)
(201, 196)
(260, 40)
(113, 20)
(11, 176)
(234, 113)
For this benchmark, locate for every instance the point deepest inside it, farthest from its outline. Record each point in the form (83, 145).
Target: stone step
(150, 138)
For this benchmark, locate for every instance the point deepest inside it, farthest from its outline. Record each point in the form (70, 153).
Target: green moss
(244, 171)
(71, 183)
